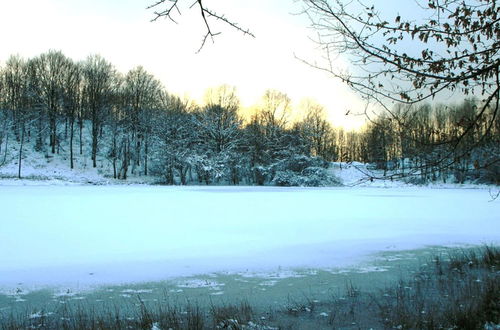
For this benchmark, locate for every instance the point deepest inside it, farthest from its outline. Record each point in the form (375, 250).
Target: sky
(122, 32)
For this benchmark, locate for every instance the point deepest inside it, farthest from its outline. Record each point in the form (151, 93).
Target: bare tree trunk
(66, 128)
(71, 134)
(126, 160)
(169, 175)
(15, 125)
(183, 173)
(6, 145)
(95, 135)
(125, 146)
(146, 148)
(4, 134)
(80, 124)
(53, 134)
(20, 153)
(39, 138)
(115, 153)
(402, 163)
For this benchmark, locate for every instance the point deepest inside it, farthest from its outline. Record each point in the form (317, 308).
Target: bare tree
(14, 85)
(141, 93)
(275, 111)
(49, 76)
(223, 95)
(218, 127)
(15, 78)
(176, 132)
(219, 121)
(99, 82)
(73, 92)
(318, 131)
(453, 48)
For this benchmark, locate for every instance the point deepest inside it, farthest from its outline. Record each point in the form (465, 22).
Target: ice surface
(78, 236)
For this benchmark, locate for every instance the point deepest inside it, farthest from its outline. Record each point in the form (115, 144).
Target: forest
(130, 124)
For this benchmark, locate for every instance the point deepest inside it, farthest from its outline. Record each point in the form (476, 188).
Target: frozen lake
(91, 235)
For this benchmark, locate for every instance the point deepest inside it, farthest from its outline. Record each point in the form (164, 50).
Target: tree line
(129, 124)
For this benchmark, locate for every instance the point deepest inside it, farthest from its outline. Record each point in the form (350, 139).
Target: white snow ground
(81, 236)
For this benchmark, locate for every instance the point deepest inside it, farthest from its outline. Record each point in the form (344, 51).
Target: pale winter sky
(121, 31)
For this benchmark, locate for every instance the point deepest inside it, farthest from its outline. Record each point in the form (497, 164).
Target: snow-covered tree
(49, 75)
(99, 84)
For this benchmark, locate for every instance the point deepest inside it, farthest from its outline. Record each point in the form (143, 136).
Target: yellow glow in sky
(121, 31)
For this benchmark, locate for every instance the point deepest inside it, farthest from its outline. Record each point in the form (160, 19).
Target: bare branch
(206, 15)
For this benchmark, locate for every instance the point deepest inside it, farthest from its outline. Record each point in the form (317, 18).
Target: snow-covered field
(82, 236)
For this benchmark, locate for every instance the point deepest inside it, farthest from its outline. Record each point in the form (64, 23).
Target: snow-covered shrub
(298, 163)
(302, 170)
(287, 178)
(416, 180)
(261, 174)
(309, 177)
(318, 177)
(207, 169)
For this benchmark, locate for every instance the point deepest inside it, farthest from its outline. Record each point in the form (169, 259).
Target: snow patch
(199, 283)
(39, 314)
(136, 291)
(372, 269)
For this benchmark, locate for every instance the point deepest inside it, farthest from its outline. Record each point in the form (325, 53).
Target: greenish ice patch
(264, 291)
